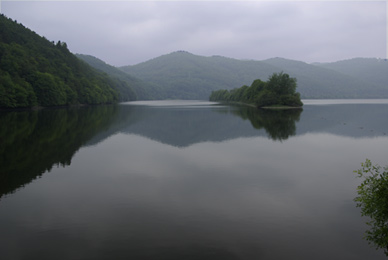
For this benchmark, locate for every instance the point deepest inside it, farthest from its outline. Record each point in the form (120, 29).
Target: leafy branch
(373, 200)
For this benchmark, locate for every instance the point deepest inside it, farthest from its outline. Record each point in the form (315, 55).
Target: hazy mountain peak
(181, 52)
(279, 60)
(185, 75)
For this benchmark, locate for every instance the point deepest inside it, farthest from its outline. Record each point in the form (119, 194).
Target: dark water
(187, 180)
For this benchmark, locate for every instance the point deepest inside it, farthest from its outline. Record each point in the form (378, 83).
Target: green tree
(373, 200)
(267, 98)
(15, 92)
(278, 91)
(282, 84)
(220, 95)
(251, 94)
(48, 90)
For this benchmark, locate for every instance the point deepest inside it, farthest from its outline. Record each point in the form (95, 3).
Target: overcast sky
(130, 32)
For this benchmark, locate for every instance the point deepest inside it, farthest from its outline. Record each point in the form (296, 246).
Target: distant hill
(143, 91)
(183, 75)
(37, 72)
(322, 82)
(187, 76)
(369, 70)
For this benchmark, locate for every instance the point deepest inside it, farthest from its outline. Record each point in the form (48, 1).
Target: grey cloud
(123, 33)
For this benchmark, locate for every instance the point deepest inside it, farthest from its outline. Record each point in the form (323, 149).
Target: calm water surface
(187, 180)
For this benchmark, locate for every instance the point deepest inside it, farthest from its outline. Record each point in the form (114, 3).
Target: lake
(188, 180)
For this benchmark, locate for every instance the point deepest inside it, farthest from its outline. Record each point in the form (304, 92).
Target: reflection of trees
(373, 200)
(32, 142)
(278, 123)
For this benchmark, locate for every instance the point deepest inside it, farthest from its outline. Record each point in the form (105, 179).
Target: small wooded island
(277, 92)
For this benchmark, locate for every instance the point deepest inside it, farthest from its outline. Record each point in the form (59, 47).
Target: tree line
(37, 72)
(279, 90)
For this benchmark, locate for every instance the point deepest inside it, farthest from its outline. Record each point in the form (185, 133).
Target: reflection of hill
(34, 141)
(183, 127)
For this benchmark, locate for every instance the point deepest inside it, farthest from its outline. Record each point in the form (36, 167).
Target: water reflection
(279, 124)
(192, 182)
(188, 125)
(33, 142)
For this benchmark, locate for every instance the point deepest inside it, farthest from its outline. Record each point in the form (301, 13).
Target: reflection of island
(32, 142)
(185, 126)
(279, 124)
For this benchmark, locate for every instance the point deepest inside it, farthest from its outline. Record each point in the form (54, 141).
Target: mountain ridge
(37, 72)
(181, 72)
(143, 91)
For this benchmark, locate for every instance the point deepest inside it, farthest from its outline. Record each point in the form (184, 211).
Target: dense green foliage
(187, 76)
(142, 90)
(279, 90)
(373, 200)
(37, 72)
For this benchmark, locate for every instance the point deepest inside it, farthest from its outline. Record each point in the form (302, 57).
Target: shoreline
(254, 106)
(37, 108)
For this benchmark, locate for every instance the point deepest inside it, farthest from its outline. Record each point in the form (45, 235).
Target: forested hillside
(37, 72)
(374, 71)
(183, 75)
(143, 91)
(188, 76)
(367, 80)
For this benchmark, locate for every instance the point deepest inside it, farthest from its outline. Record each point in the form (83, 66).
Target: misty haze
(193, 130)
